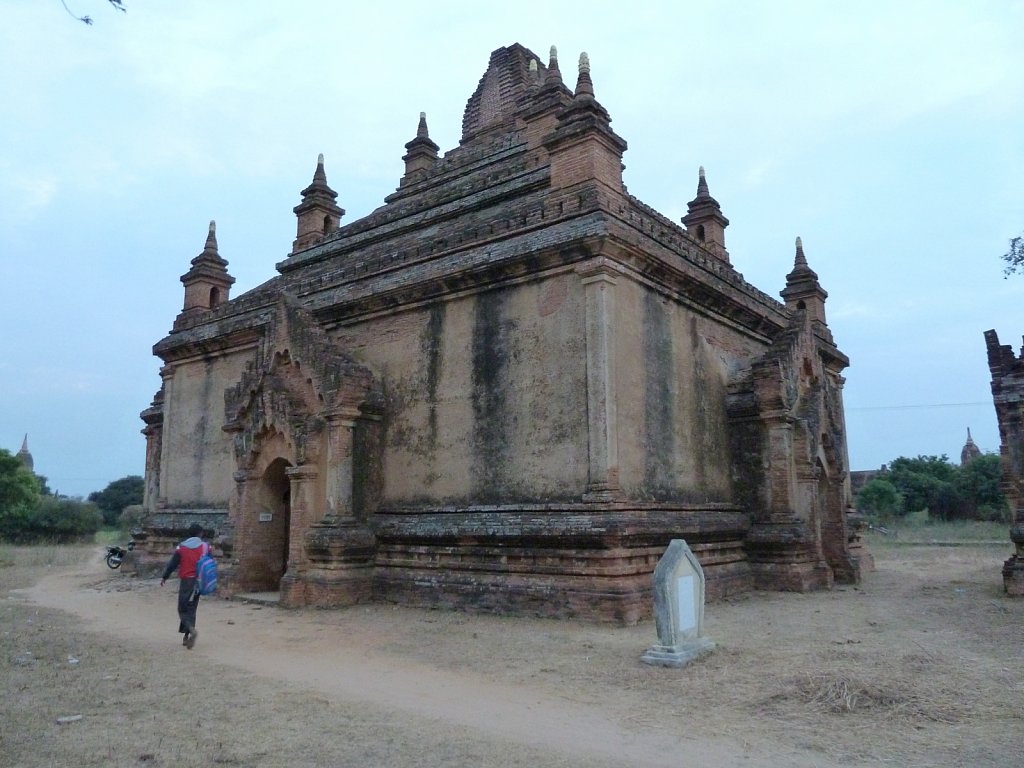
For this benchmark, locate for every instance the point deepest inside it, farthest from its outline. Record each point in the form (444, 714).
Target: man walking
(184, 559)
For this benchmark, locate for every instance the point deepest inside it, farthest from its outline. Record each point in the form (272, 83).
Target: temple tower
(421, 153)
(318, 214)
(583, 147)
(803, 293)
(25, 457)
(970, 451)
(705, 220)
(207, 283)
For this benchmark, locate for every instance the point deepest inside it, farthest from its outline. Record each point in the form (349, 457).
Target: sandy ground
(919, 666)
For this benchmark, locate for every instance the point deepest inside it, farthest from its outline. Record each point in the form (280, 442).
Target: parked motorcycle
(116, 555)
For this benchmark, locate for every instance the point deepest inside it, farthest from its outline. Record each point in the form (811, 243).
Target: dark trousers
(188, 601)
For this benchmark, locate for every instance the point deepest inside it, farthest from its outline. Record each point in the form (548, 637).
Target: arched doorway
(273, 523)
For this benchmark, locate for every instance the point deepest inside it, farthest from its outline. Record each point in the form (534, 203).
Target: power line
(908, 407)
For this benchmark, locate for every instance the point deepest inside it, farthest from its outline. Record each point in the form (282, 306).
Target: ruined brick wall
(1008, 397)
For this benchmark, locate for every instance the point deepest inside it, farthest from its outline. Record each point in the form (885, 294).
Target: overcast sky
(889, 135)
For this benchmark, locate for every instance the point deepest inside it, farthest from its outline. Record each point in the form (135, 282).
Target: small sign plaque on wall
(266, 517)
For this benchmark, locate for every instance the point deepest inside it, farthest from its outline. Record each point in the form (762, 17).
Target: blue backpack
(206, 574)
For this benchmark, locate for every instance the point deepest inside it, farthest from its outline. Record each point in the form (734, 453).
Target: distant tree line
(931, 483)
(30, 512)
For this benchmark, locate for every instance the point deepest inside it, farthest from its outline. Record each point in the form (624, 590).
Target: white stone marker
(678, 609)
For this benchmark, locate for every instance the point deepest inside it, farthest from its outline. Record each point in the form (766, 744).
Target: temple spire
(584, 85)
(548, 95)
(702, 184)
(800, 260)
(24, 456)
(207, 283)
(970, 451)
(704, 219)
(319, 175)
(554, 74)
(582, 148)
(803, 292)
(421, 154)
(318, 214)
(210, 249)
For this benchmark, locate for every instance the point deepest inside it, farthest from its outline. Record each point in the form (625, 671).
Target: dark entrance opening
(275, 521)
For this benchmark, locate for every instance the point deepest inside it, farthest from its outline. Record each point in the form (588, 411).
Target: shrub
(880, 499)
(61, 519)
(132, 517)
(117, 495)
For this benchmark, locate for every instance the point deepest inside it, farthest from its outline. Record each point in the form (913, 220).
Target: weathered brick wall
(1008, 397)
(485, 395)
(197, 459)
(673, 436)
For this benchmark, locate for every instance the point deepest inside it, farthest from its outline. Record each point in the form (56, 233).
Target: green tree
(62, 520)
(1014, 257)
(44, 485)
(19, 494)
(979, 483)
(116, 496)
(927, 482)
(881, 499)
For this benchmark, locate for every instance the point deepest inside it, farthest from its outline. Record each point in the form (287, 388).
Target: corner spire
(802, 272)
(207, 283)
(704, 219)
(421, 154)
(319, 183)
(211, 240)
(319, 175)
(554, 74)
(582, 147)
(803, 292)
(702, 183)
(800, 260)
(318, 214)
(210, 256)
(584, 85)
(548, 95)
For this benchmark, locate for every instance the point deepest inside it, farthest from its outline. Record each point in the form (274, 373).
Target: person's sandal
(190, 641)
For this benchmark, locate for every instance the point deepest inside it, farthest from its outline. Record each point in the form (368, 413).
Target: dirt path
(922, 657)
(292, 646)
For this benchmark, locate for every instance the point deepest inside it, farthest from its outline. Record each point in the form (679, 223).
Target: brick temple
(1007, 370)
(506, 389)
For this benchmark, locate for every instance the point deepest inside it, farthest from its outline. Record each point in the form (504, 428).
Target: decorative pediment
(298, 379)
(791, 382)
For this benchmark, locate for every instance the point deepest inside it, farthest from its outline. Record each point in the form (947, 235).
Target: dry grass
(917, 667)
(45, 556)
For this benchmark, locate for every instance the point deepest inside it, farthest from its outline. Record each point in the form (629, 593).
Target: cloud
(26, 194)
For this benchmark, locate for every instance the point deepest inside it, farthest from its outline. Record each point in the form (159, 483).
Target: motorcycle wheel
(113, 561)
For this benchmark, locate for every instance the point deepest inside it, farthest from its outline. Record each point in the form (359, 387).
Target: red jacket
(185, 557)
